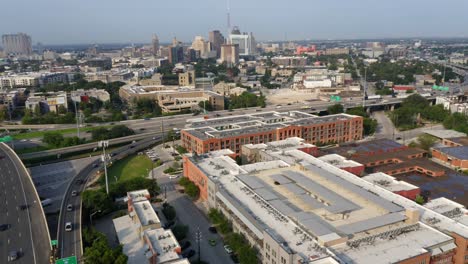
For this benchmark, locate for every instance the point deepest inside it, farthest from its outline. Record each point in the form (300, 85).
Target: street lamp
(91, 217)
(104, 144)
(198, 237)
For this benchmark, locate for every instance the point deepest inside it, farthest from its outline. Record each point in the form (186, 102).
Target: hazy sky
(113, 21)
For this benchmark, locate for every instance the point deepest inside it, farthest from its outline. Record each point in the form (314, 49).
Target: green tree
(97, 200)
(192, 190)
(180, 231)
(206, 105)
(419, 199)
(169, 212)
(335, 109)
(426, 141)
(54, 139)
(62, 109)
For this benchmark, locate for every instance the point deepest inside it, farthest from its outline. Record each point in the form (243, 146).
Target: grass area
(129, 167)
(40, 134)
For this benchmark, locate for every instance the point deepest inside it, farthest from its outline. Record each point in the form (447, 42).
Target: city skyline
(295, 20)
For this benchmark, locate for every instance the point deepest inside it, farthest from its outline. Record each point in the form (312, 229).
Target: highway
(21, 209)
(70, 242)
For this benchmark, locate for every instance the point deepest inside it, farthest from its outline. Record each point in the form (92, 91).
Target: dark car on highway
(4, 227)
(14, 255)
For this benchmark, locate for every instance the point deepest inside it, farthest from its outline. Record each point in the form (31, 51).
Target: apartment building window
(267, 246)
(283, 260)
(267, 256)
(273, 253)
(422, 262)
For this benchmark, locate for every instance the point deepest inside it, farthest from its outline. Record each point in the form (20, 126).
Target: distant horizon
(258, 41)
(120, 21)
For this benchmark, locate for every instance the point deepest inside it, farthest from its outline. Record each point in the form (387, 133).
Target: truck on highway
(373, 97)
(46, 202)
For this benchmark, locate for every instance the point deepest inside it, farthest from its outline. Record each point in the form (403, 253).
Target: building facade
(17, 44)
(235, 131)
(216, 39)
(230, 54)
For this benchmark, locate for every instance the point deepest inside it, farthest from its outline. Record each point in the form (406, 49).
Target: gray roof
(374, 198)
(338, 204)
(457, 152)
(372, 223)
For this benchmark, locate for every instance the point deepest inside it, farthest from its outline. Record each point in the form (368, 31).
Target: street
(189, 214)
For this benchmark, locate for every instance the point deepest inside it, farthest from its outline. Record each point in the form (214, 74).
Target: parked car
(212, 229)
(189, 254)
(185, 245)
(228, 249)
(212, 242)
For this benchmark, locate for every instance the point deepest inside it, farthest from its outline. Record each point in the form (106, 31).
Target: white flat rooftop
(146, 213)
(449, 209)
(164, 243)
(139, 195)
(220, 166)
(396, 248)
(265, 165)
(388, 182)
(133, 248)
(339, 161)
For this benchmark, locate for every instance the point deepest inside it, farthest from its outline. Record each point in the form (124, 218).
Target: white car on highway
(68, 226)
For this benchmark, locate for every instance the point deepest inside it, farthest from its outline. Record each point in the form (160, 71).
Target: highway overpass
(22, 212)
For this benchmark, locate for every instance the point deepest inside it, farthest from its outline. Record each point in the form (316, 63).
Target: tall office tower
(216, 39)
(230, 54)
(246, 42)
(155, 45)
(18, 44)
(204, 47)
(176, 54)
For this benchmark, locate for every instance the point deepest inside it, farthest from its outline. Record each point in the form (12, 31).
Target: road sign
(335, 98)
(6, 139)
(53, 243)
(440, 88)
(69, 260)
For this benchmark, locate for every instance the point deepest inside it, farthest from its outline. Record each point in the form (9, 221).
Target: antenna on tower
(228, 18)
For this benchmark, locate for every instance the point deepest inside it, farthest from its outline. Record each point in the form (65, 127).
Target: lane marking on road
(19, 234)
(8, 241)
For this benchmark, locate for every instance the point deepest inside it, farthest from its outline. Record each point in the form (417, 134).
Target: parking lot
(51, 180)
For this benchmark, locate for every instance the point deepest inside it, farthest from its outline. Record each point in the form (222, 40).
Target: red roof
(403, 87)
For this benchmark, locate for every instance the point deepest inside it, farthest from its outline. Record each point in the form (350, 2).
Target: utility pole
(77, 117)
(198, 237)
(364, 88)
(162, 131)
(104, 144)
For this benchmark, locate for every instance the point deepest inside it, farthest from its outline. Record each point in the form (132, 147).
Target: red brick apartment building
(235, 131)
